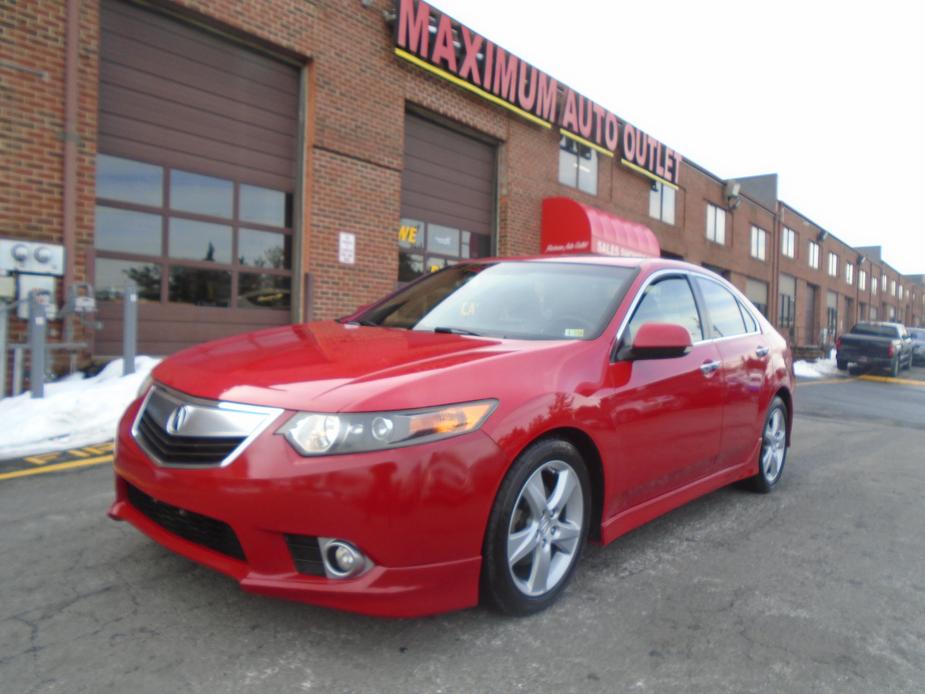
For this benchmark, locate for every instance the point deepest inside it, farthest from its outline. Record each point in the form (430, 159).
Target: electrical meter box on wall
(32, 257)
(45, 285)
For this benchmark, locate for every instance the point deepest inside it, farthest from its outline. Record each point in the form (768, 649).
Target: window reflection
(265, 206)
(189, 285)
(129, 181)
(127, 231)
(199, 241)
(263, 291)
(264, 249)
(204, 195)
(111, 276)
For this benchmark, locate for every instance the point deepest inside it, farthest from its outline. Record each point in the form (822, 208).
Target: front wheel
(773, 453)
(537, 528)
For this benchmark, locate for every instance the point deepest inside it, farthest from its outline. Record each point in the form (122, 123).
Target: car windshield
(875, 330)
(917, 334)
(515, 299)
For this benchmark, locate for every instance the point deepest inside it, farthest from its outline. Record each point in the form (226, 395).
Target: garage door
(195, 179)
(447, 198)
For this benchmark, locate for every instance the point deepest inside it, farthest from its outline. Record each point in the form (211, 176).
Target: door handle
(709, 367)
(762, 351)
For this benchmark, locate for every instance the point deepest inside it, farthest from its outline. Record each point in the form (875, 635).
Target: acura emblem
(178, 419)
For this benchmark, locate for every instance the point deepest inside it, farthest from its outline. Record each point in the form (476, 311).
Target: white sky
(829, 95)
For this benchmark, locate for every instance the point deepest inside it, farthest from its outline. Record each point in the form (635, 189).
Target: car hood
(329, 366)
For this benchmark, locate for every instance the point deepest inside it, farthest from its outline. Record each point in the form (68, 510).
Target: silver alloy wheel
(775, 445)
(545, 530)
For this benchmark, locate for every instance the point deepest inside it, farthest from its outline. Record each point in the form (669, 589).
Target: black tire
(499, 588)
(908, 365)
(894, 367)
(763, 483)
(841, 364)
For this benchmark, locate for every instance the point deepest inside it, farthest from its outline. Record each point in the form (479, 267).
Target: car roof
(631, 262)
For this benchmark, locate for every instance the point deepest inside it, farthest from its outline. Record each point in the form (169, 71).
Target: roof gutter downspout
(70, 136)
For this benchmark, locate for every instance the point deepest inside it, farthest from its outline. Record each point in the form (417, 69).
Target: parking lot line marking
(86, 462)
(826, 381)
(890, 379)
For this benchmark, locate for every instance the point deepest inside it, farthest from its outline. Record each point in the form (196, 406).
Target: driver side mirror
(658, 341)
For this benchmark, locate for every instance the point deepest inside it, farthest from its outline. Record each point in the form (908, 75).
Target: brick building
(253, 164)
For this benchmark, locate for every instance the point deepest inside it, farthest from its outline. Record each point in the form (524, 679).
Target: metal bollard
(4, 357)
(129, 328)
(37, 330)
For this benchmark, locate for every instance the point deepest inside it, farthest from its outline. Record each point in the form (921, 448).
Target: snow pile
(75, 411)
(820, 368)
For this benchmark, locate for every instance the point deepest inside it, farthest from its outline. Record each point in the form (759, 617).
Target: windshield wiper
(455, 331)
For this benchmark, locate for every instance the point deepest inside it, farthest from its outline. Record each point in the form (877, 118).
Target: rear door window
(722, 308)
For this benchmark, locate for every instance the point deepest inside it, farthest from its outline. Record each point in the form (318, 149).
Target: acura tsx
(460, 440)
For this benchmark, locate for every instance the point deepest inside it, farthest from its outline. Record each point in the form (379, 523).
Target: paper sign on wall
(347, 248)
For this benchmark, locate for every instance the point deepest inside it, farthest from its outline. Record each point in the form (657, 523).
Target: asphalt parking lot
(818, 587)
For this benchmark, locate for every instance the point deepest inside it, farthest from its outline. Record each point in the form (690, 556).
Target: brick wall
(358, 92)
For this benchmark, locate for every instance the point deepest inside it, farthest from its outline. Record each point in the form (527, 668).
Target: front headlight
(328, 434)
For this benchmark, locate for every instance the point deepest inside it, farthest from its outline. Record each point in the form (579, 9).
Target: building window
(788, 242)
(849, 273)
(661, 202)
(833, 265)
(757, 293)
(786, 305)
(831, 316)
(874, 283)
(899, 290)
(187, 238)
(814, 255)
(883, 282)
(716, 224)
(577, 165)
(862, 280)
(759, 243)
(893, 287)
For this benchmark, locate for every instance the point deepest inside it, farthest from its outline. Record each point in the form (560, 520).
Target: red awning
(570, 227)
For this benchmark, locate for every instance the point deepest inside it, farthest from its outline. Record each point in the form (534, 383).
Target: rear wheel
(841, 364)
(894, 367)
(773, 453)
(537, 528)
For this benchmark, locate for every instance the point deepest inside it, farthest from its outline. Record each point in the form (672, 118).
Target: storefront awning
(570, 227)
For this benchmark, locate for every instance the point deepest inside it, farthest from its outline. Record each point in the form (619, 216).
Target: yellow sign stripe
(889, 379)
(471, 87)
(55, 468)
(646, 172)
(603, 150)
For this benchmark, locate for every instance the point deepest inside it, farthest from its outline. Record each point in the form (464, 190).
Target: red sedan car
(461, 439)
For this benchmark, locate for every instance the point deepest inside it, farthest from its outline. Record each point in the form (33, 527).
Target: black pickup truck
(875, 345)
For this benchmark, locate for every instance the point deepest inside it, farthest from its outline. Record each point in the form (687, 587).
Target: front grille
(184, 450)
(306, 554)
(201, 530)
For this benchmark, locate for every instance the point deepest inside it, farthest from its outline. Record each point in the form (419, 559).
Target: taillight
(838, 343)
(891, 350)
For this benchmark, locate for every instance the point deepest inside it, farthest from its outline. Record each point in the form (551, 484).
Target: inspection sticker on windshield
(574, 332)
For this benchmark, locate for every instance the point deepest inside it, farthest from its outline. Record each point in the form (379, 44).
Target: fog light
(341, 559)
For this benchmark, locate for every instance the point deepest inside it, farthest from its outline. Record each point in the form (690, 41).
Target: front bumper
(419, 513)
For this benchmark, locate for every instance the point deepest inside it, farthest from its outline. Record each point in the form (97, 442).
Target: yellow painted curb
(826, 381)
(889, 379)
(86, 462)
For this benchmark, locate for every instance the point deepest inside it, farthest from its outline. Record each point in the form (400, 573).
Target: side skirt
(632, 518)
